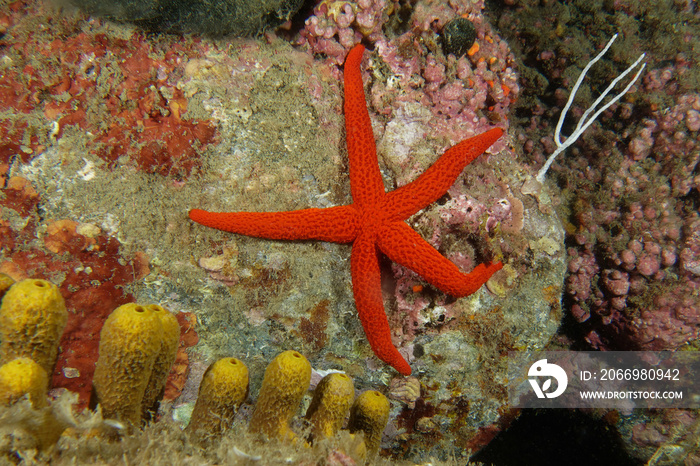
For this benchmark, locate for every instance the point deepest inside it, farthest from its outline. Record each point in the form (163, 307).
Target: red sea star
(374, 222)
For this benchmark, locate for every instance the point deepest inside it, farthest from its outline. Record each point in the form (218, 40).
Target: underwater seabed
(110, 134)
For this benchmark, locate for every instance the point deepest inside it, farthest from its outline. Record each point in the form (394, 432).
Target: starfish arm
(367, 289)
(406, 247)
(437, 179)
(366, 183)
(334, 224)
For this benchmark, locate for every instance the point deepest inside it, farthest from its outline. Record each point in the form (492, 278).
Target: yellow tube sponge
(21, 377)
(129, 343)
(286, 380)
(370, 414)
(22, 429)
(5, 283)
(331, 403)
(169, 340)
(223, 389)
(32, 317)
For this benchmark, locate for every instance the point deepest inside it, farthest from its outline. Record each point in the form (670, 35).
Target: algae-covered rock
(212, 18)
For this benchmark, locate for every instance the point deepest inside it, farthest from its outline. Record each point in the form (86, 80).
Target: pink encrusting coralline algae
(630, 184)
(406, 70)
(647, 285)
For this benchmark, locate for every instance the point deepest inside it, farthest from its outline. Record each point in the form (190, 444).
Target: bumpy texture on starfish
(374, 222)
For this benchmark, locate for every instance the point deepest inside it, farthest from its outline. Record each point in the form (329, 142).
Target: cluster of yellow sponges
(32, 317)
(138, 345)
(287, 378)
